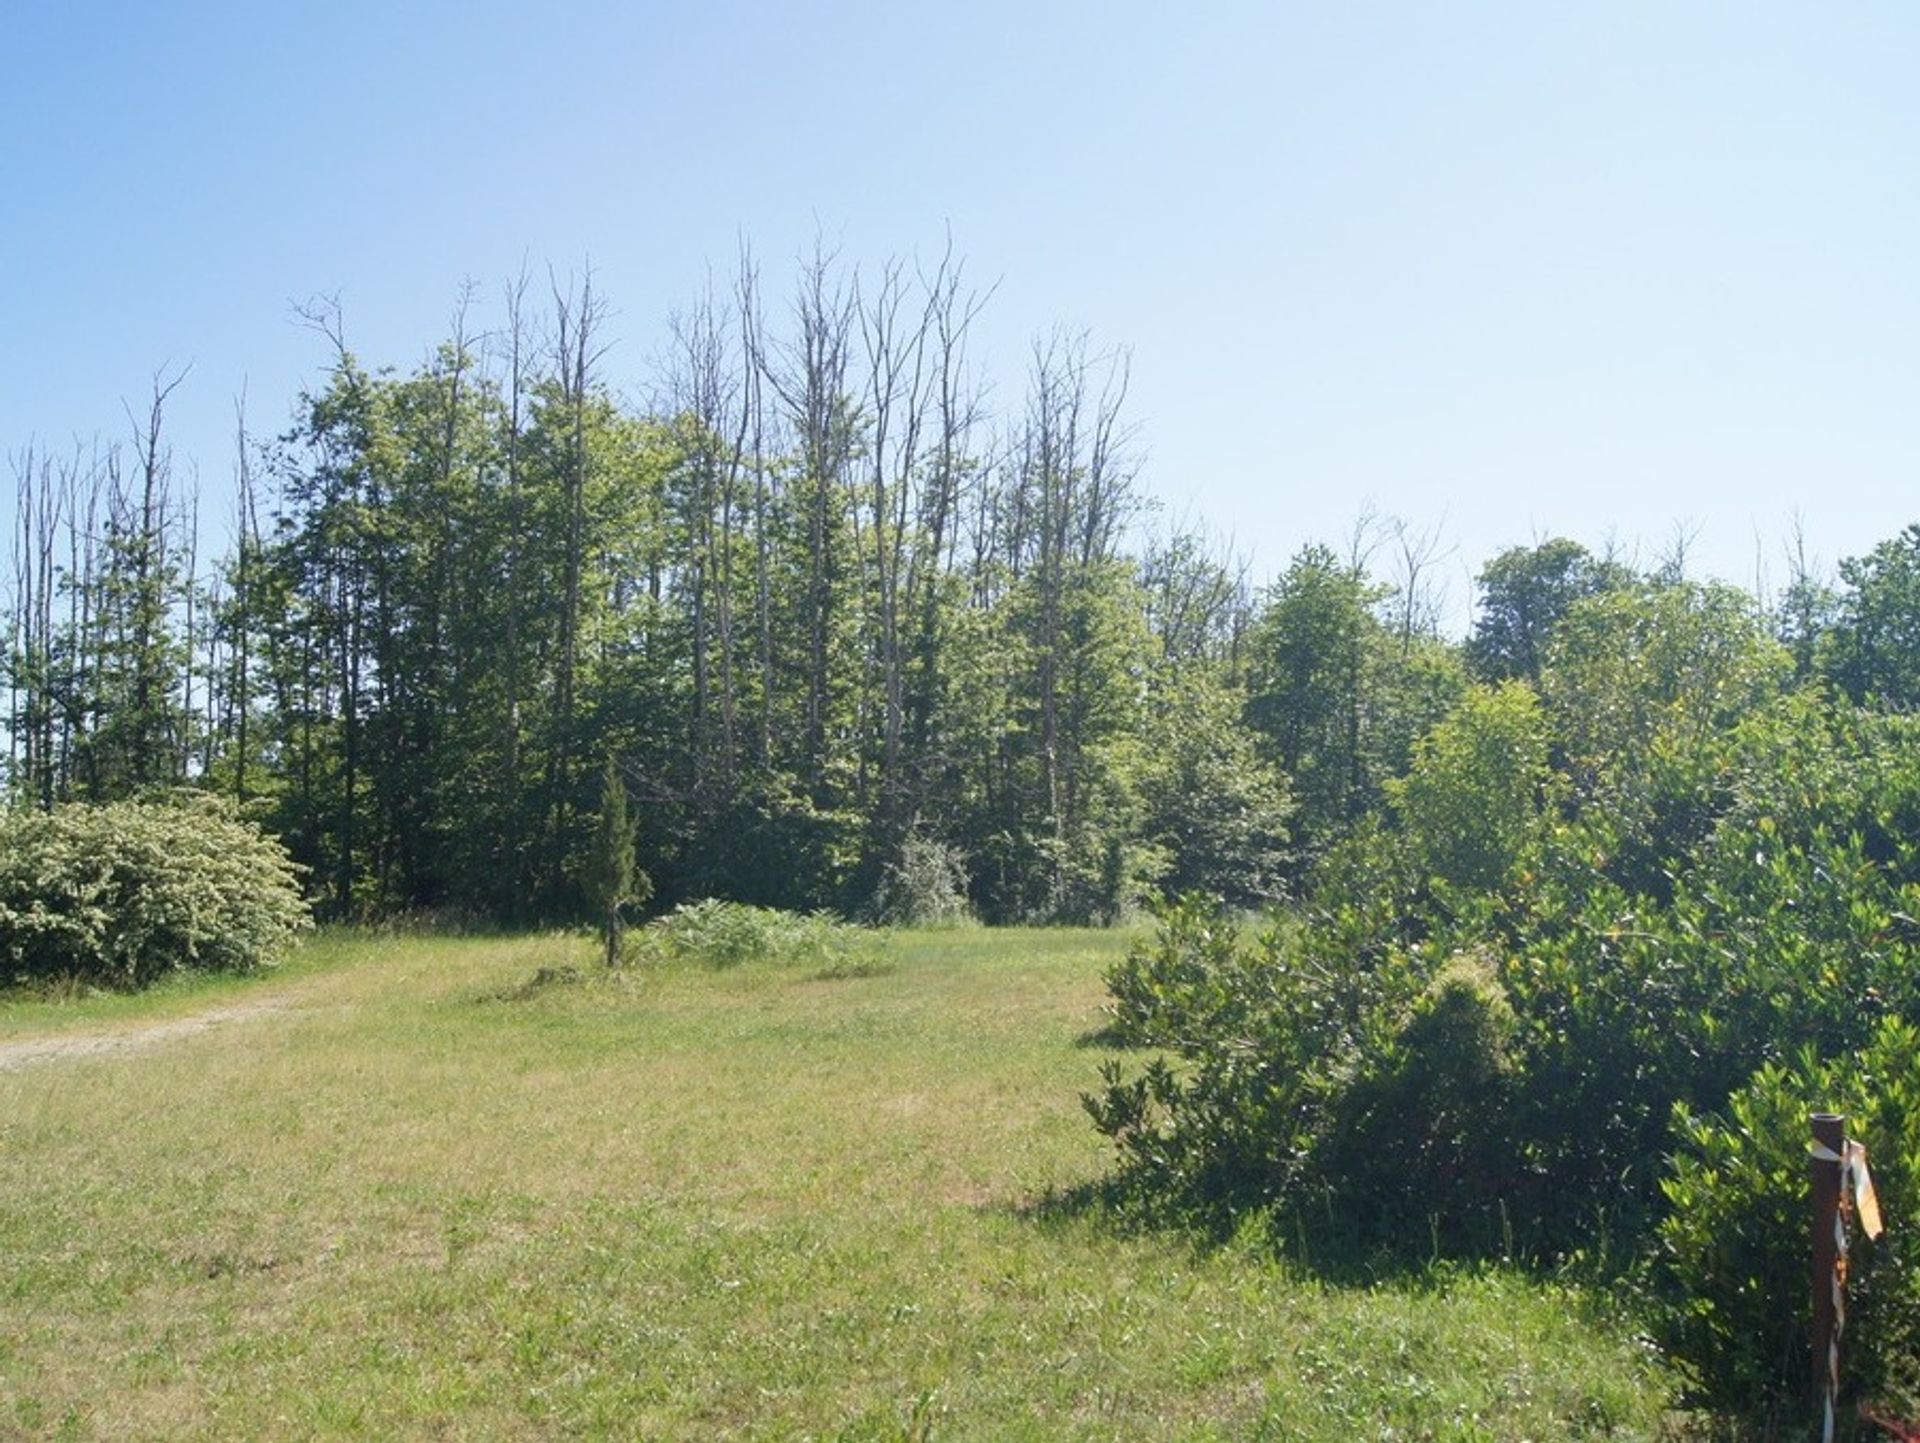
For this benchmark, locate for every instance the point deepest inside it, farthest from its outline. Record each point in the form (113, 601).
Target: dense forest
(851, 637)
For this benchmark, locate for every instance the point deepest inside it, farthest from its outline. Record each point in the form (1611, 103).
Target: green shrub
(1268, 1035)
(925, 886)
(1422, 1062)
(725, 934)
(120, 895)
(1174, 985)
(1425, 1130)
(1734, 1244)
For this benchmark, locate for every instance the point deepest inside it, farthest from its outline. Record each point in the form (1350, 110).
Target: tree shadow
(1108, 1038)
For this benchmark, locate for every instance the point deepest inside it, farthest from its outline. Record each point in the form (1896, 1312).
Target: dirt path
(30, 1051)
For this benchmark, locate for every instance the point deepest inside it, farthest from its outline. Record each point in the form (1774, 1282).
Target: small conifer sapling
(613, 881)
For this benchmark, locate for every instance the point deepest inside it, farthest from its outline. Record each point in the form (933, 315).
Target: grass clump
(544, 980)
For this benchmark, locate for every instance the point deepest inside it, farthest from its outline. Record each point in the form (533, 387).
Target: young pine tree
(612, 879)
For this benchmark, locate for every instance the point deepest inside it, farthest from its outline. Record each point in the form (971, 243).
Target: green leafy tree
(1680, 661)
(1644, 686)
(1218, 811)
(1338, 697)
(1524, 593)
(1873, 650)
(1472, 800)
(1309, 665)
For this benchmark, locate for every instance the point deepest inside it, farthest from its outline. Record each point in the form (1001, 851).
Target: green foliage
(1471, 802)
(1734, 1241)
(1058, 837)
(769, 846)
(726, 934)
(1266, 1033)
(1414, 683)
(1426, 1125)
(120, 895)
(1184, 982)
(1337, 699)
(1494, 1060)
(612, 882)
(1644, 688)
(1636, 674)
(1217, 809)
(1873, 651)
(1524, 593)
(925, 886)
(1309, 682)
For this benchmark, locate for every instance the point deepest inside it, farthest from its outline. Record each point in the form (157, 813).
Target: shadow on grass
(543, 981)
(1108, 1038)
(1328, 1241)
(852, 968)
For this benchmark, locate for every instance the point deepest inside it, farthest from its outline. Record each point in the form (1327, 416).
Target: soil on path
(30, 1051)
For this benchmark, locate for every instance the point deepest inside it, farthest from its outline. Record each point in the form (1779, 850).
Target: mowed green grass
(756, 1203)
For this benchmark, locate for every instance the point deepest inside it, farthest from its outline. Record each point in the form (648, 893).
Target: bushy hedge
(121, 895)
(1726, 939)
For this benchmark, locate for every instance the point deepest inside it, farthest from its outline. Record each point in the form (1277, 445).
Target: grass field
(410, 1199)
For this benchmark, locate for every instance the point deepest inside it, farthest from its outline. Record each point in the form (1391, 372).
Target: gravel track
(33, 1051)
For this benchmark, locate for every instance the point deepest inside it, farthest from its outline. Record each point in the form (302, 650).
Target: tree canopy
(838, 622)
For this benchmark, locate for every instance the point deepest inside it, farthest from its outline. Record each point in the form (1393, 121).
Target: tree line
(850, 636)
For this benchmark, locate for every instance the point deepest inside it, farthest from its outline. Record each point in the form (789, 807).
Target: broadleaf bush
(121, 895)
(1734, 1242)
(1604, 1047)
(924, 886)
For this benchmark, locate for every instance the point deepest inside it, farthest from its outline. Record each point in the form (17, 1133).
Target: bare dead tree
(897, 331)
(247, 558)
(44, 497)
(149, 535)
(808, 376)
(190, 598)
(706, 389)
(1418, 597)
(953, 473)
(1671, 565)
(1364, 538)
(578, 349)
(754, 427)
(1197, 593)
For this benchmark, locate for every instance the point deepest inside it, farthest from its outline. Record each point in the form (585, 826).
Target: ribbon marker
(1866, 1202)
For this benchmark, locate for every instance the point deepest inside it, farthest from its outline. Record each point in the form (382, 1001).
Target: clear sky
(1516, 269)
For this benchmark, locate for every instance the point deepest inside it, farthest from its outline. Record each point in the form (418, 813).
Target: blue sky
(1512, 270)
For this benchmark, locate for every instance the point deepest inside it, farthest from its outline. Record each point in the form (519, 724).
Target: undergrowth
(726, 934)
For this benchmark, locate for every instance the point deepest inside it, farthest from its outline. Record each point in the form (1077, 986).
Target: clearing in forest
(754, 1203)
